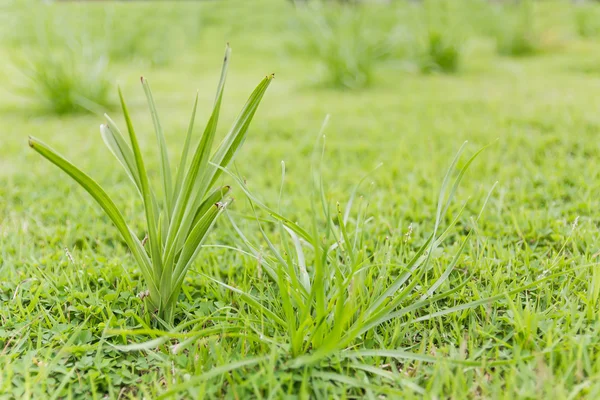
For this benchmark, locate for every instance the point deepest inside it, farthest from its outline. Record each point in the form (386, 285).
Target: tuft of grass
(180, 215)
(438, 39)
(440, 53)
(344, 41)
(515, 31)
(68, 82)
(326, 290)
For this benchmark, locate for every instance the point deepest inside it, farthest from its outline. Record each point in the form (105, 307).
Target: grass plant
(180, 217)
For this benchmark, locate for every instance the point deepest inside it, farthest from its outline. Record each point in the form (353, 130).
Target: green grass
(70, 290)
(587, 20)
(515, 31)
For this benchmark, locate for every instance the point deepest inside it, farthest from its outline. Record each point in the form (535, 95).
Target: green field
(528, 206)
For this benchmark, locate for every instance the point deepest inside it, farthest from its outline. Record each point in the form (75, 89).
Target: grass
(346, 45)
(70, 320)
(516, 34)
(439, 53)
(587, 20)
(178, 223)
(68, 82)
(66, 51)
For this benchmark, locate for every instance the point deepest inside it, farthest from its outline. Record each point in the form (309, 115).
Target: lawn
(523, 225)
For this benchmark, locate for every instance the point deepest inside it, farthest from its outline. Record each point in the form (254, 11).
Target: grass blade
(183, 206)
(118, 146)
(165, 167)
(107, 205)
(184, 153)
(234, 139)
(147, 195)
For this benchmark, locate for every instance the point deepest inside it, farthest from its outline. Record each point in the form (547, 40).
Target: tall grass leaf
(165, 166)
(287, 222)
(148, 197)
(121, 150)
(181, 213)
(234, 139)
(107, 205)
(212, 199)
(196, 237)
(491, 299)
(448, 269)
(398, 282)
(184, 153)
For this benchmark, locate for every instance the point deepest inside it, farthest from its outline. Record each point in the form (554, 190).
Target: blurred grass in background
(347, 41)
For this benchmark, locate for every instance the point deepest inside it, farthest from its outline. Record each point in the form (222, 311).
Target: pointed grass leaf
(184, 153)
(118, 146)
(147, 195)
(236, 136)
(184, 204)
(165, 166)
(190, 250)
(107, 205)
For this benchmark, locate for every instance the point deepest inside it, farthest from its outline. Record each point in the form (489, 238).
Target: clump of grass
(180, 218)
(515, 31)
(327, 292)
(438, 39)
(587, 20)
(330, 287)
(67, 72)
(343, 41)
(440, 53)
(68, 82)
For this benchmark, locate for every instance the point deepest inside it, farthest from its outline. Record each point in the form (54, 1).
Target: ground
(66, 277)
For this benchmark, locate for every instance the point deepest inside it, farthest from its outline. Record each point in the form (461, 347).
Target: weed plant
(326, 291)
(181, 213)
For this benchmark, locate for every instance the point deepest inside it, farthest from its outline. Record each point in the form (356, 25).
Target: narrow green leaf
(287, 222)
(120, 149)
(196, 236)
(228, 147)
(448, 269)
(165, 166)
(190, 250)
(252, 301)
(107, 205)
(184, 153)
(182, 219)
(151, 215)
(215, 197)
(398, 282)
(236, 136)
